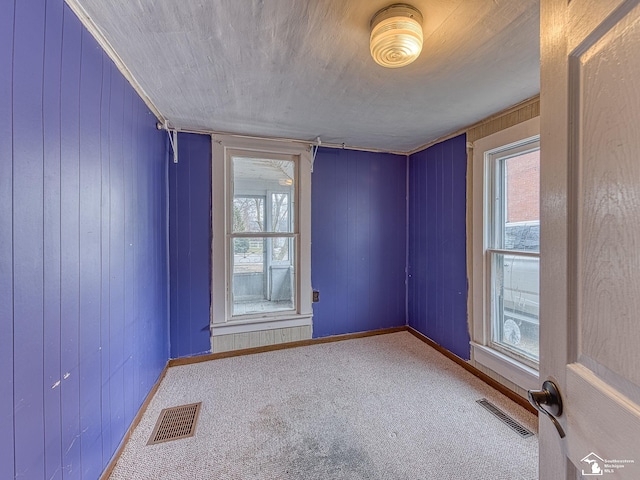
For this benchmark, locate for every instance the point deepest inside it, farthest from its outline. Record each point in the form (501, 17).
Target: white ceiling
(302, 69)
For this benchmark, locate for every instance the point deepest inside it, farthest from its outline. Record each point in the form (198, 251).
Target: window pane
(280, 249)
(271, 181)
(515, 302)
(260, 284)
(517, 209)
(248, 214)
(248, 255)
(280, 212)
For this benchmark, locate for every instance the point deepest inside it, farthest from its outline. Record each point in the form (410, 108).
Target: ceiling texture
(301, 69)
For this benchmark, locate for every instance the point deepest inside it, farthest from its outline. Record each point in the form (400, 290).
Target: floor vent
(176, 422)
(519, 429)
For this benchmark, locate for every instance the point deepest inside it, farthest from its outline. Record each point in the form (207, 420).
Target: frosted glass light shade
(396, 35)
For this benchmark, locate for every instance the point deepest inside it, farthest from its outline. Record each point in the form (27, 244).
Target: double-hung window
(262, 233)
(261, 244)
(512, 226)
(506, 253)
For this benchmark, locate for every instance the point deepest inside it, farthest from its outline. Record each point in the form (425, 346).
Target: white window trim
(517, 372)
(221, 322)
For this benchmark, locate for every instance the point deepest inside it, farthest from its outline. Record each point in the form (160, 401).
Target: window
(262, 233)
(506, 253)
(261, 272)
(513, 254)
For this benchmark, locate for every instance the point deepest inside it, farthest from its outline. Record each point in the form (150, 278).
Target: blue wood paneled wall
(83, 269)
(358, 241)
(359, 238)
(190, 245)
(437, 282)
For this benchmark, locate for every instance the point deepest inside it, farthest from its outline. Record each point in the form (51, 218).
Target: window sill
(520, 374)
(256, 324)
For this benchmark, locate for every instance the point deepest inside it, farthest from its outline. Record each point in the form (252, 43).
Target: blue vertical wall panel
(437, 275)
(69, 244)
(83, 250)
(6, 245)
(200, 228)
(105, 260)
(138, 270)
(89, 259)
(52, 319)
(190, 241)
(460, 328)
(129, 255)
(358, 241)
(116, 258)
(28, 290)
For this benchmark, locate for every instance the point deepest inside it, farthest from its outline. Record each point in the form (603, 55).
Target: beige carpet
(386, 408)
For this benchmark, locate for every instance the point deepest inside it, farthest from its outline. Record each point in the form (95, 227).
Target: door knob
(548, 402)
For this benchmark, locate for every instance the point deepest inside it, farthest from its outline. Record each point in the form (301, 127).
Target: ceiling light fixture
(396, 35)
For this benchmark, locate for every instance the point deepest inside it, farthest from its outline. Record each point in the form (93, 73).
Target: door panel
(608, 196)
(590, 235)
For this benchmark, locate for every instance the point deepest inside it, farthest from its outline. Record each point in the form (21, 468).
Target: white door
(590, 236)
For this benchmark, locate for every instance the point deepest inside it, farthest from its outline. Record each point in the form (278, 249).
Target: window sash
(502, 297)
(264, 234)
(496, 185)
(267, 192)
(259, 285)
(494, 219)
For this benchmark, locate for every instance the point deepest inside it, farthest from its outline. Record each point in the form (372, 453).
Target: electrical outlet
(316, 296)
